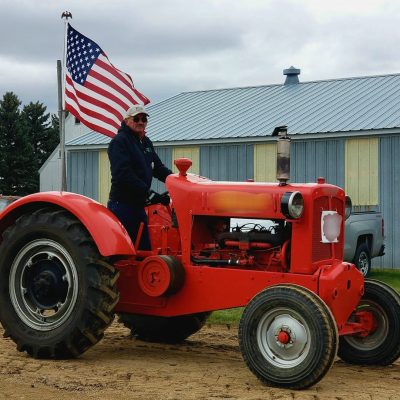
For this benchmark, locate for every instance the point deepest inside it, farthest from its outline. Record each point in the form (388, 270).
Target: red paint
(106, 230)
(154, 276)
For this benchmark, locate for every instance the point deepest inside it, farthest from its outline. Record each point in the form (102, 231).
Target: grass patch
(226, 317)
(233, 315)
(389, 276)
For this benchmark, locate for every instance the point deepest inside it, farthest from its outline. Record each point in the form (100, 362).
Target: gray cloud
(183, 45)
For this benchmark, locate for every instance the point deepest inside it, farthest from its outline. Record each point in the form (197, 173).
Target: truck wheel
(288, 337)
(362, 259)
(171, 330)
(57, 293)
(382, 345)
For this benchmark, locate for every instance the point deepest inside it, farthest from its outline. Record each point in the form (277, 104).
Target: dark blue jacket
(133, 164)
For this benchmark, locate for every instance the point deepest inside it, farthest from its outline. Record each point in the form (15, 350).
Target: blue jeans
(131, 216)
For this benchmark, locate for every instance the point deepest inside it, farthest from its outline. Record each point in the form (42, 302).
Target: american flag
(96, 92)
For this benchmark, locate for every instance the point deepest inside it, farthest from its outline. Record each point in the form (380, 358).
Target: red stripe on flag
(89, 124)
(90, 112)
(141, 96)
(113, 85)
(109, 95)
(94, 101)
(114, 71)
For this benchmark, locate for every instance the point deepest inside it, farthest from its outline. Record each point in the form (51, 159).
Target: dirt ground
(207, 366)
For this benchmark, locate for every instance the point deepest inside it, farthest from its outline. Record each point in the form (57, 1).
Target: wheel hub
(46, 286)
(283, 339)
(283, 336)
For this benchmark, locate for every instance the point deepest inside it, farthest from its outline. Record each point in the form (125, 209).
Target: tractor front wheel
(288, 337)
(171, 330)
(57, 293)
(381, 346)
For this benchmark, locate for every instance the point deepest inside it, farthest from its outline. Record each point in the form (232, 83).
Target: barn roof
(367, 103)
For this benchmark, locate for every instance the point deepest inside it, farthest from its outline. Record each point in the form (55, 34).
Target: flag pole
(61, 119)
(61, 102)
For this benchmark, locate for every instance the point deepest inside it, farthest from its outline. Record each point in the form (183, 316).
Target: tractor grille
(320, 251)
(323, 251)
(337, 205)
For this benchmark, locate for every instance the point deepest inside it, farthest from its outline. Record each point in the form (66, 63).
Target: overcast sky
(183, 45)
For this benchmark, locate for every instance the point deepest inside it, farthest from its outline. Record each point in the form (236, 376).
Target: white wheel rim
(46, 256)
(363, 263)
(289, 324)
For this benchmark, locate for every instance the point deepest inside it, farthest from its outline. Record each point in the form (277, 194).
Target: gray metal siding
(227, 162)
(83, 173)
(318, 158)
(389, 176)
(165, 154)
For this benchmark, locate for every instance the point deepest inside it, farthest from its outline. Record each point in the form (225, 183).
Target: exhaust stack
(283, 155)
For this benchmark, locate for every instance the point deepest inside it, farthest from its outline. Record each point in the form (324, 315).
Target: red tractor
(67, 265)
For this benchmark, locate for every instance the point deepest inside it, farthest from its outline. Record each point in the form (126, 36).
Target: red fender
(108, 233)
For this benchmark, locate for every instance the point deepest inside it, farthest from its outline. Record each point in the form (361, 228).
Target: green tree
(18, 167)
(43, 132)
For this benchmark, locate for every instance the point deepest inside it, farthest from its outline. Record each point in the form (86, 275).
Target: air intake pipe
(283, 155)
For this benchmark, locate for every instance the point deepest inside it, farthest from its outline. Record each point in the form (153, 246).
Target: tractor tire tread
(388, 351)
(169, 330)
(328, 331)
(96, 312)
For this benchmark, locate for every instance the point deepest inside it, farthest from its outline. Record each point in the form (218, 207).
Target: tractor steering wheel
(157, 198)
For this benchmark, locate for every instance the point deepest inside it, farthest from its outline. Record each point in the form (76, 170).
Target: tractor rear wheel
(171, 330)
(57, 293)
(288, 337)
(382, 345)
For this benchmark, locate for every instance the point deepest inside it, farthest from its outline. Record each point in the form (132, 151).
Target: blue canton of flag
(81, 55)
(96, 92)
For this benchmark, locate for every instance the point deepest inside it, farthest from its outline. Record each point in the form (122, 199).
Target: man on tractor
(133, 164)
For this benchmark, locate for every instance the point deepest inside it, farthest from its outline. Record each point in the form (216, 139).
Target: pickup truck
(364, 239)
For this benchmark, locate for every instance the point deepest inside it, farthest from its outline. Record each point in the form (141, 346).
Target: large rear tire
(288, 337)
(57, 293)
(171, 330)
(382, 345)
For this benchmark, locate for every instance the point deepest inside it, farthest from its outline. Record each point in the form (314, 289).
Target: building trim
(304, 136)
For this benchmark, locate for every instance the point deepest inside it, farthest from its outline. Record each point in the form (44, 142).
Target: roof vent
(292, 75)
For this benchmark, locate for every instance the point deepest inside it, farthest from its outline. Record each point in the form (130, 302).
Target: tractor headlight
(348, 206)
(292, 205)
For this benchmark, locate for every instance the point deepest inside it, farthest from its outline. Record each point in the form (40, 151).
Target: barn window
(188, 152)
(362, 171)
(265, 162)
